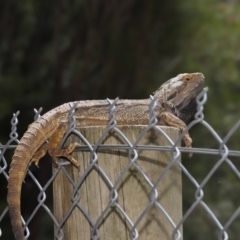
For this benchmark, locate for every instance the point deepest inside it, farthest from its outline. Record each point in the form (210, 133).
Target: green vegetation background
(53, 52)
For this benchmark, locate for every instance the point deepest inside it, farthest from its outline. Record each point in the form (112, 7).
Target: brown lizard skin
(175, 104)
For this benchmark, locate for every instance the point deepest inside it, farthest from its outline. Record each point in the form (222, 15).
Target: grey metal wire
(133, 147)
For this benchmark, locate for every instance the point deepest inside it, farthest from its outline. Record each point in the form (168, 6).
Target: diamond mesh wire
(133, 147)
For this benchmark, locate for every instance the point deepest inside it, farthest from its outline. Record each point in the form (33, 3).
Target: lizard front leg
(172, 120)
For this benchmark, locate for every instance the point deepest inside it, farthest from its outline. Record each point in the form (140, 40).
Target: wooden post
(133, 190)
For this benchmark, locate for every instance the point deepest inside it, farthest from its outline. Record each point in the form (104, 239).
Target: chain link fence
(44, 196)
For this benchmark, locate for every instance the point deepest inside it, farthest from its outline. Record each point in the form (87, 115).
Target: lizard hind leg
(40, 153)
(54, 142)
(37, 156)
(56, 152)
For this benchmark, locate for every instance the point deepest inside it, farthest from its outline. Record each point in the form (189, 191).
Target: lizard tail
(31, 141)
(16, 176)
(22, 157)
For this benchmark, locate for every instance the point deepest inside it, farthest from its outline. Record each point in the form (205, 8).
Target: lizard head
(178, 95)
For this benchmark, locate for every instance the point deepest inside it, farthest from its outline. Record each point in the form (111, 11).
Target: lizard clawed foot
(188, 141)
(190, 154)
(56, 152)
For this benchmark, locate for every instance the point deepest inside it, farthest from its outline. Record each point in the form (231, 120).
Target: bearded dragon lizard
(175, 104)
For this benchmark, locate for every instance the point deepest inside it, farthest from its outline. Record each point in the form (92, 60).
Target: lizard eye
(163, 105)
(188, 79)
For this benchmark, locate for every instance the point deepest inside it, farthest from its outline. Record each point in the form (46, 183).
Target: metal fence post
(108, 214)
